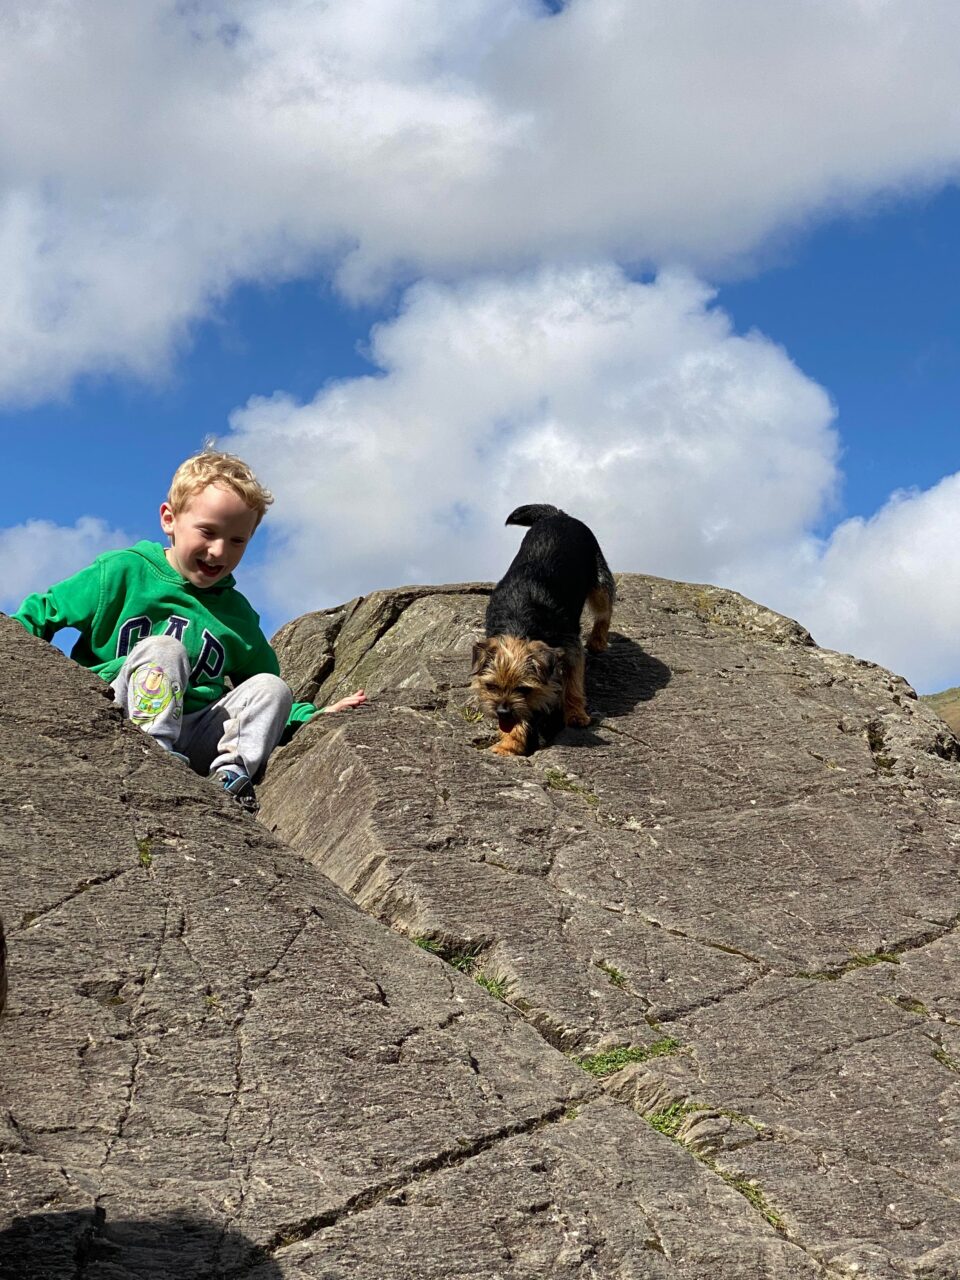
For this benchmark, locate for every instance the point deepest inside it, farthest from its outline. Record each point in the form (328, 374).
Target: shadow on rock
(82, 1243)
(617, 680)
(622, 676)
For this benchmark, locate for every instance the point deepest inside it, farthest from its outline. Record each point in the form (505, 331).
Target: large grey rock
(749, 859)
(212, 1063)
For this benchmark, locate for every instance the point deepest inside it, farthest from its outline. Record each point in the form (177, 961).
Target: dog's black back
(542, 594)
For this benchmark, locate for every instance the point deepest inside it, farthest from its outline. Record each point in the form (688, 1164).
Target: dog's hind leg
(574, 693)
(600, 601)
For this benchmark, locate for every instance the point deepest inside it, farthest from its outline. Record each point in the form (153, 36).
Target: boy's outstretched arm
(71, 603)
(346, 704)
(304, 711)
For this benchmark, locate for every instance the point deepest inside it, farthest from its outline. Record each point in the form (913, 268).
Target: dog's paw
(578, 719)
(596, 644)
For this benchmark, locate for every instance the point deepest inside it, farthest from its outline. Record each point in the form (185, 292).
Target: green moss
(145, 852)
(669, 1121)
(472, 715)
(557, 780)
(742, 1119)
(611, 1060)
(945, 1060)
(877, 744)
(859, 961)
(909, 1005)
(752, 1194)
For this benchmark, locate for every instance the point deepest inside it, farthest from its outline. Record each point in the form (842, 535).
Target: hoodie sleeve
(301, 712)
(74, 602)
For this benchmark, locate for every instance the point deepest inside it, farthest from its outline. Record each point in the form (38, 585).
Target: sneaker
(239, 786)
(178, 755)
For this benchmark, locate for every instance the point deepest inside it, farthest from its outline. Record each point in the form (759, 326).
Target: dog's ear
(545, 660)
(482, 653)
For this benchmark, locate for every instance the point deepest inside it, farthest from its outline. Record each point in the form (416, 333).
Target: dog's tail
(531, 514)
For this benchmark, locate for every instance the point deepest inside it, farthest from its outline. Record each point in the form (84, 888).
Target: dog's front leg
(514, 742)
(574, 692)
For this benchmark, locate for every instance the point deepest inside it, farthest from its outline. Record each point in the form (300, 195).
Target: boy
(166, 627)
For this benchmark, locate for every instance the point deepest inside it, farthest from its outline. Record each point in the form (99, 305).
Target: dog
(529, 671)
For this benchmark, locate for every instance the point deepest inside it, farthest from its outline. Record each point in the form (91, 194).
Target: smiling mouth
(208, 570)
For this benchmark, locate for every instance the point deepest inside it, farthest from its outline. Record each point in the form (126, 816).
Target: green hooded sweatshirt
(125, 596)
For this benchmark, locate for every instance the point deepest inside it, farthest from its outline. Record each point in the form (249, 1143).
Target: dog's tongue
(505, 723)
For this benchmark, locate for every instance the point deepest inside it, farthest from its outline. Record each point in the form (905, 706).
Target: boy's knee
(271, 689)
(165, 651)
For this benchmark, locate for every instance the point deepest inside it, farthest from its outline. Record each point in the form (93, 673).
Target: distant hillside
(947, 706)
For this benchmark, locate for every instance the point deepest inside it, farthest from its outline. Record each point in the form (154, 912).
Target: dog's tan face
(515, 679)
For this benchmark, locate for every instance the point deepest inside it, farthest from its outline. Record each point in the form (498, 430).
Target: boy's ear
(166, 517)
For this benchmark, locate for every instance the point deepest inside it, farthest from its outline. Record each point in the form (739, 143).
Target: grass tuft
(611, 1060)
(615, 977)
(496, 987)
(669, 1119)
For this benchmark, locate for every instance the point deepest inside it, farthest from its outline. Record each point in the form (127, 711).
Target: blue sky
(418, 266)
(869, 305)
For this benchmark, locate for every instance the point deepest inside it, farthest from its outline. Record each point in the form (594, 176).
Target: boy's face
(209, 536)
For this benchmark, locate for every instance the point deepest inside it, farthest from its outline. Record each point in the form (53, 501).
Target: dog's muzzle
(505, 718)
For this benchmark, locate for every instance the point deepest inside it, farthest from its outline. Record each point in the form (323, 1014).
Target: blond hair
(224, 469)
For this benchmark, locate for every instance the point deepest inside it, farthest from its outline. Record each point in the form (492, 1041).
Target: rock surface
(746, 870)
(355, 1045)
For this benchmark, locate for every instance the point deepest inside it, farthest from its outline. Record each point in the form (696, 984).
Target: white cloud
(883, 588)
(38, 553)
(693, 452)
(687, 447)
(153, 154)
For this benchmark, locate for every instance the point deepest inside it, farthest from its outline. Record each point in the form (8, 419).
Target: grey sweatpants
(237, 732)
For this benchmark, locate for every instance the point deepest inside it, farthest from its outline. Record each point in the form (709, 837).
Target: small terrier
(529, 671)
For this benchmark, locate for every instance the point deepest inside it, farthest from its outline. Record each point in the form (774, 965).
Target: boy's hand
(346, 704)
